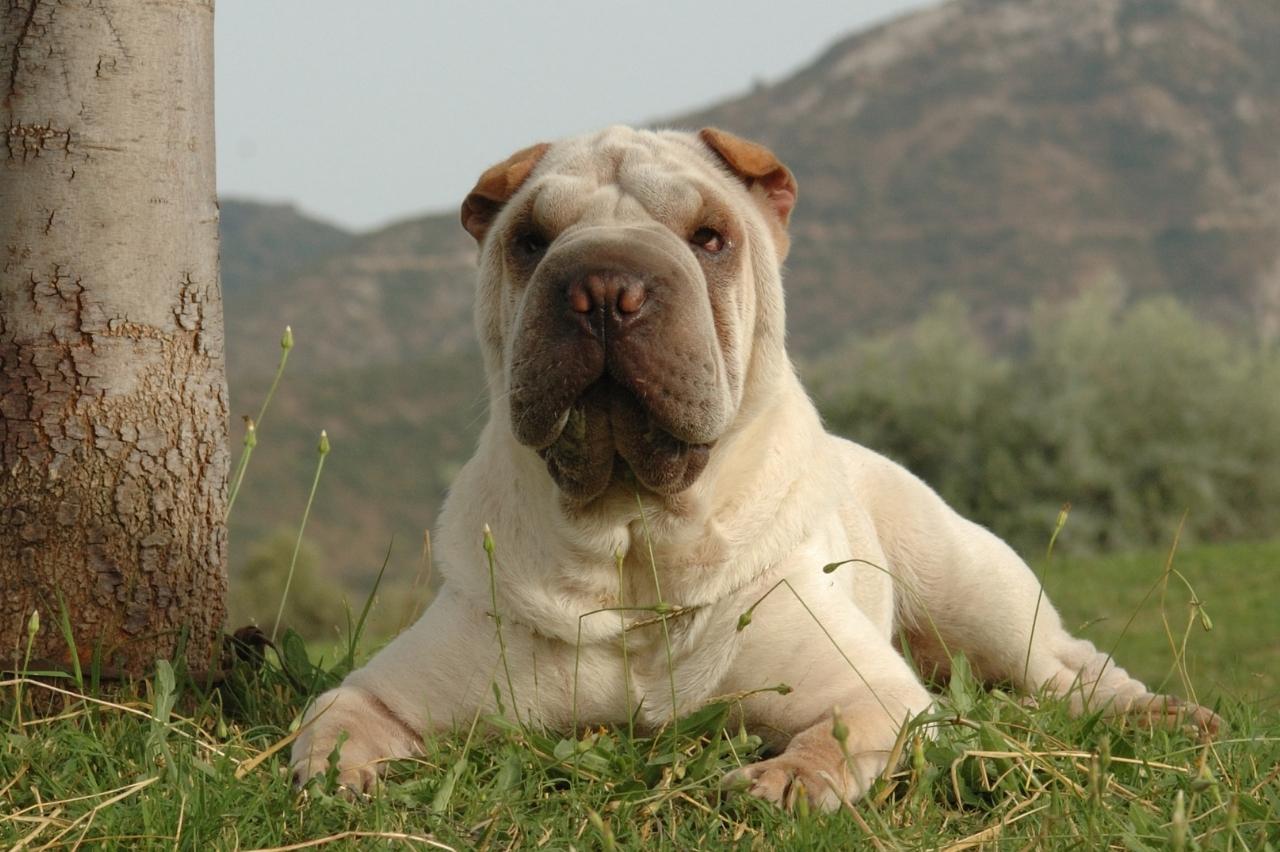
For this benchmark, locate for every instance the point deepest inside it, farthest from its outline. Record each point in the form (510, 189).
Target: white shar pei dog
(649, 443)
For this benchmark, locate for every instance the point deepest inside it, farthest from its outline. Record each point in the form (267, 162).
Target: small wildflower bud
(917, 755)
(323, 448)
(488, 540)
(33, 624)
(801, 799)
(1062, 516)
(1204, 775)
(663, 608)
(221, 729)
(782, 689)
(286, 342)
(831, 566)
(839, 729)
(1178, 838)
(744, 620)
(497, 693)
(250, 433)
(606, 834)
(1206, 623)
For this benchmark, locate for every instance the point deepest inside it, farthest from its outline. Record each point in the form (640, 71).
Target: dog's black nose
(619, 296)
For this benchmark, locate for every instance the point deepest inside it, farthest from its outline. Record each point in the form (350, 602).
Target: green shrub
(1133, 415)
(315, 605)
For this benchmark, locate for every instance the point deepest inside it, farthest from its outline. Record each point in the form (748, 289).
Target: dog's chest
(672, 658)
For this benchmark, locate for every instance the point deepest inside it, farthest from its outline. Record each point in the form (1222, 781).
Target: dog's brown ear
(495, 188)
(756, 165)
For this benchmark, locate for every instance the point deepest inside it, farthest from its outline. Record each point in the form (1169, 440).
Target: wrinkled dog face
(618, 297)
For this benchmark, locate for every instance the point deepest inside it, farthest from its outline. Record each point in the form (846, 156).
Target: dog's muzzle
(614, 357)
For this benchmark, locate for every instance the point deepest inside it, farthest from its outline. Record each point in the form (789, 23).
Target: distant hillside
(1004, 149)
(384, 360)
(995, 150)
(398, 432)
(398, 294)
(270, 242)
(263, 247)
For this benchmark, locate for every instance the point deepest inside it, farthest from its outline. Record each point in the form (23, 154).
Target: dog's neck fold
(551, 565)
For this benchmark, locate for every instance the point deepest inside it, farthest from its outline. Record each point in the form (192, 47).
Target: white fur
(779, 499)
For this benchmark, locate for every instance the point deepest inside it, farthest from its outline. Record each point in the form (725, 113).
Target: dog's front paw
(355, 729)
(782, 780)
(1170, 712)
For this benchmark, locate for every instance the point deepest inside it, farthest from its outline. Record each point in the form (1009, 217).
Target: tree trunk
(113, 402)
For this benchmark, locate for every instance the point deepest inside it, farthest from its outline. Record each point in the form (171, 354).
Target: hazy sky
(362, 113)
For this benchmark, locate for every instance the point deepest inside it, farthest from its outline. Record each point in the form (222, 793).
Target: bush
(1134, 416)
(315, 604)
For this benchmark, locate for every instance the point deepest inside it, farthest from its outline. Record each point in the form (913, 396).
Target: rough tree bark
(113, 403)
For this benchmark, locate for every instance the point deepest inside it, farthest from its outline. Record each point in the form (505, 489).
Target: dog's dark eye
(708, 239)
(531, 244)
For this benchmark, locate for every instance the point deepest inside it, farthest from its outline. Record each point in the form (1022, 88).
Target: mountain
(998, 151)
(263, 247)
(398, 294)
(384, 360)
(1001, 150)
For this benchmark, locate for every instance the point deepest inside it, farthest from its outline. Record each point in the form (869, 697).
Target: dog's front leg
(834, 659)
(436, 673)
(829, 772)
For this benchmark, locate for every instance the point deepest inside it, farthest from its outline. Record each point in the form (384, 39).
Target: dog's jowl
(629, 306)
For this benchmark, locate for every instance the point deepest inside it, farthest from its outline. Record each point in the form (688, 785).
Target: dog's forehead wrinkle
(626, 208)
(653, 170)
(667, 192)
(616, 143)
(560, 198)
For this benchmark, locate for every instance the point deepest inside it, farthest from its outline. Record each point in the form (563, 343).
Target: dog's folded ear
(757, 166)
(495, 188)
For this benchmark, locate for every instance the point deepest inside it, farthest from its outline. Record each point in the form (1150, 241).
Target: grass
(1238, 657)
(176, 765)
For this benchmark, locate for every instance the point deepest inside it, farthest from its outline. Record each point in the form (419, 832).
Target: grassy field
(1236, 586)
(177, 766)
